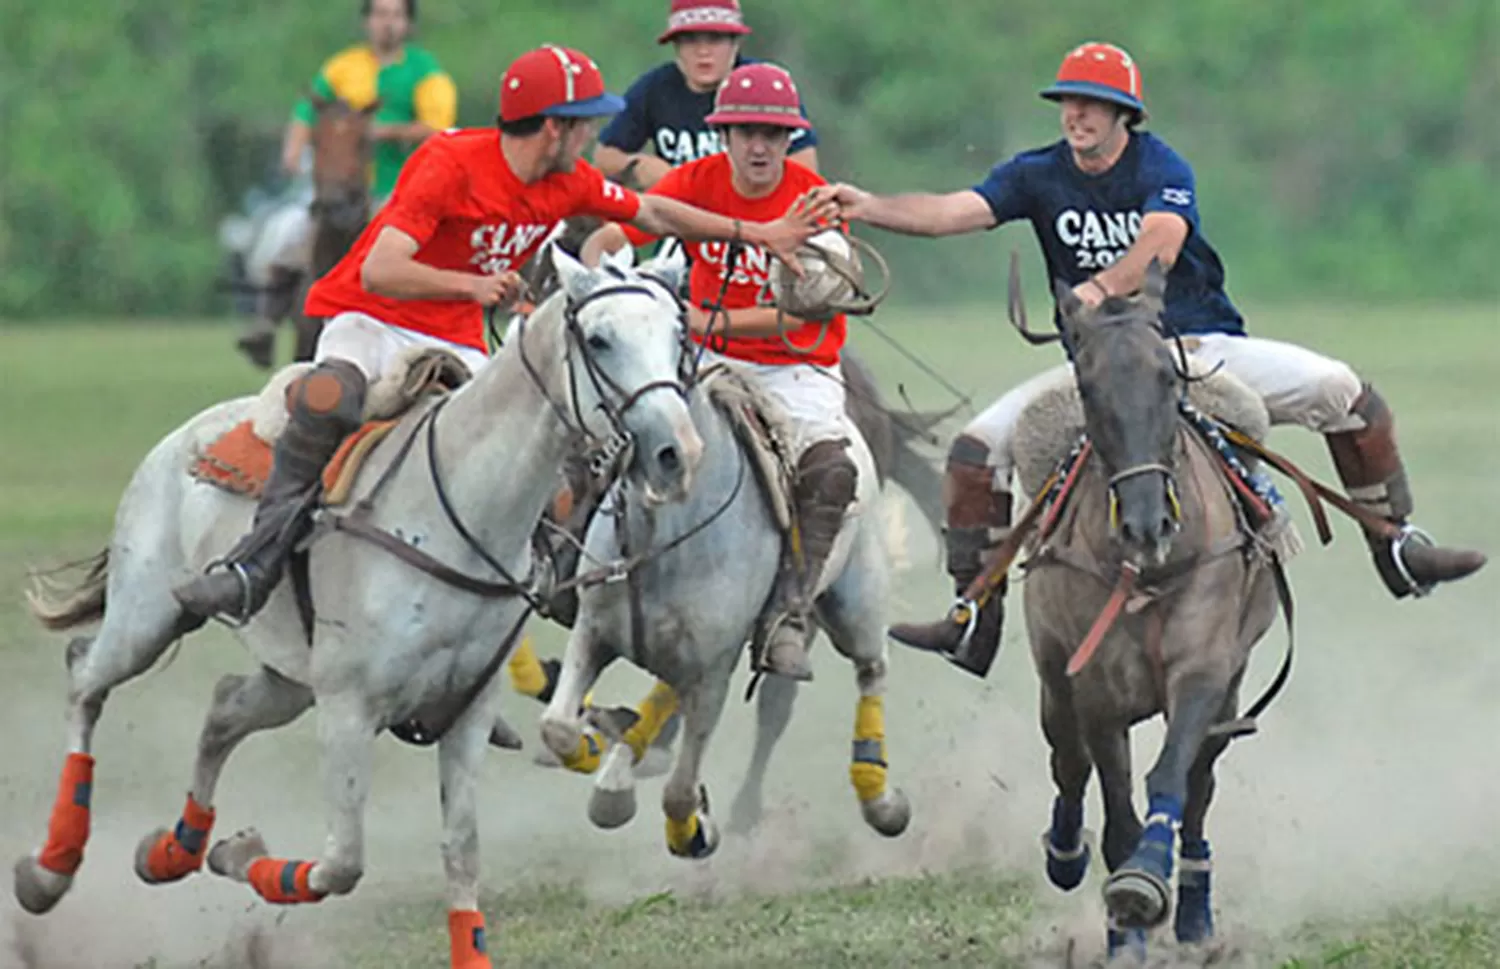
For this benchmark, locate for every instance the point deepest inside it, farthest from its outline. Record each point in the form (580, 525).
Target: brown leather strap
(357, 526)
(1315, 492)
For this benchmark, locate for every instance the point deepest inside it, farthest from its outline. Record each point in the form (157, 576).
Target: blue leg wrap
(1195, 920)
(1154, 851)
(1067, 855)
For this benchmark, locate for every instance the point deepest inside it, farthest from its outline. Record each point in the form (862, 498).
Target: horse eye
(597, 342)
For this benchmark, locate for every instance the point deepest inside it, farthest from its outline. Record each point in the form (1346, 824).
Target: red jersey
(468, 212)
(707, 184)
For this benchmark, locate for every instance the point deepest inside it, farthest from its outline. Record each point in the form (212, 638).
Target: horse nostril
(1167, 525)
(1127, 531)
(668, 460)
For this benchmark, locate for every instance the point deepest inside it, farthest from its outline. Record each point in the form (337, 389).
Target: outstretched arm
(917, 214)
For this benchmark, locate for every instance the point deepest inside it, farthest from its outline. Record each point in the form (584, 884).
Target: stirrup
(240, 573)
(970, 609)
(1410, 533)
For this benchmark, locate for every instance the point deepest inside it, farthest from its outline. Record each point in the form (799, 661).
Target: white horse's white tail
(897, 531)
(59, 605)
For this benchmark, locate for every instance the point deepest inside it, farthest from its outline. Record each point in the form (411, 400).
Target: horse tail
(58, 606)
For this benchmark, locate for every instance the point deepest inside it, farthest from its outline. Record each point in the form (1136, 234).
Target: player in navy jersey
(665, 107)
(1104, 201)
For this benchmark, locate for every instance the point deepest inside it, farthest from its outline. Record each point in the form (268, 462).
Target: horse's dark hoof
(1066, 869)
(1127, 947)
(1137, 899)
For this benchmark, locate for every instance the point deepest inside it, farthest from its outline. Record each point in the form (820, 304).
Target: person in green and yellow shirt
(417, 97)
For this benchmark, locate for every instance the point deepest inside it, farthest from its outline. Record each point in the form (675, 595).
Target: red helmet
(556, 82)
(704, 17)
(758, 94)
(1101, 71)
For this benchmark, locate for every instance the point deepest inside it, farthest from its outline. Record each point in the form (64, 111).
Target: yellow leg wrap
(526, 674)
(680, 835)
(654, 710)
(867, 768)
(585, 759)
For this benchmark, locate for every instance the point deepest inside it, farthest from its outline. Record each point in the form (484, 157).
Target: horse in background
(305, 244)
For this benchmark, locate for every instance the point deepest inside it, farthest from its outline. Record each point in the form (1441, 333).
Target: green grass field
(1356, 831)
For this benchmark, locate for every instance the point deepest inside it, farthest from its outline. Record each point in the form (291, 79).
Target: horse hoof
(654, 763)
(143, 857)
(545, 758)
(704, 842)
(561, 738)
(1066, 869)
(1137, 899)
(613, 802)
(232, 856)
(888, 814)
(504, 736)
(37, 889)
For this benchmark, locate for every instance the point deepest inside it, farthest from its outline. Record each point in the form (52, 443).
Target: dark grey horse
(1151, 497)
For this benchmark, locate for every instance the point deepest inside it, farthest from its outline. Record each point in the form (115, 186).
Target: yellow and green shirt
(413, 89)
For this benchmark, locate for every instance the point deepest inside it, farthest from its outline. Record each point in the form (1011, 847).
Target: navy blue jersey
(662, 110)
(1085, 222)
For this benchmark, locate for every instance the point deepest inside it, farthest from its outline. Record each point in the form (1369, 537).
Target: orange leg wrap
(466, 935)
(282, 882)
(180, 852)
(68, 830)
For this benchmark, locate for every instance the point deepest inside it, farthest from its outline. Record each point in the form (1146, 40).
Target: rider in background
(469, 210)
(797, 362)
(417, 98)
(666, 107)
(1104, 201)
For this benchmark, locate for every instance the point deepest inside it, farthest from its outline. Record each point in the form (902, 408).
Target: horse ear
(1155, 286)
(317, 100)
(622, 258)
(576, 278)
(671, 267)
(369, 110)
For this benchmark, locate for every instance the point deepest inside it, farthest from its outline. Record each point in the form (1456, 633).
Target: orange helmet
(1101, 71)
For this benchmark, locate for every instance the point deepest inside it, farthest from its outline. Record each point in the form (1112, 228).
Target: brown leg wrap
(1369, 465)
(325, 406)
(976, 512)
(826, 485)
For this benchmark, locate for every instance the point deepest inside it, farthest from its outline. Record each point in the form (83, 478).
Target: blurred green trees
(1342, 150)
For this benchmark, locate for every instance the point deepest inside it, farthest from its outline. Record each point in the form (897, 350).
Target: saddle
(239, 460)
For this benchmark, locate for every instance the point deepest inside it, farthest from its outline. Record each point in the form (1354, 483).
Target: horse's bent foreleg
(691, 832)
(460, 754)
(1138, 893)
(612, 802)
(563, 730)
(1067, 852)
(773, 712)
(137, 629)
(347, 741)
(1109, 746)
(242, 705)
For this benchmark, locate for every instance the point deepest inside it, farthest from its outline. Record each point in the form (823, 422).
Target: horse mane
(1052, 423)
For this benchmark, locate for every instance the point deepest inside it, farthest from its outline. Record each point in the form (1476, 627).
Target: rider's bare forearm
(1162, 235)
(926, 213)
(401, 277)
(607, 238)
(662, 216)
(755, 321)
(636, 170)
(414, 132)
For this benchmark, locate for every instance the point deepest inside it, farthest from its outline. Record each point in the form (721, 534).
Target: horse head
(625, 388)
(1129, 386)
(341, 145)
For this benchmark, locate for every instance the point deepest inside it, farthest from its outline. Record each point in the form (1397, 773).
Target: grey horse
(1151, 499)
(703, 571)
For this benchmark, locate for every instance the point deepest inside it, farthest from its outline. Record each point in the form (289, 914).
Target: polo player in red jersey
(470, 208)
(796, 361)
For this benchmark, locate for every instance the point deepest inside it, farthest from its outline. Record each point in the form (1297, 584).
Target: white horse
(685, 615)
(392, 642)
